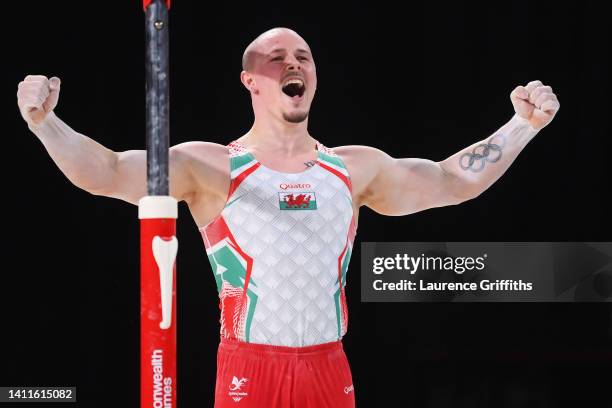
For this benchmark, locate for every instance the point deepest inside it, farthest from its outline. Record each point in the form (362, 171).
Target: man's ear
(249, 82)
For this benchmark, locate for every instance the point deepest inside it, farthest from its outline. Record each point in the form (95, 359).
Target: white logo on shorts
(236, 383)
(235, 387)
(348, 389)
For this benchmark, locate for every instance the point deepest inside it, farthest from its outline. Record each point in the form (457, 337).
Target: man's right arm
(86, 163)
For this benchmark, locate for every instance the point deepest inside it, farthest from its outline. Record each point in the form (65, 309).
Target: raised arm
(403, 186)
(86, 163)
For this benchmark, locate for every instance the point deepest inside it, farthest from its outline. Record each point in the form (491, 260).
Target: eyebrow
(283, 50)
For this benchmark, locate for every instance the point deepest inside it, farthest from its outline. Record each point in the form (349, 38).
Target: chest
(314, 191)
(274, 214)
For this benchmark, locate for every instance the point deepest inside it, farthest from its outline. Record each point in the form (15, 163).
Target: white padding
(164, 253)
(157, 207)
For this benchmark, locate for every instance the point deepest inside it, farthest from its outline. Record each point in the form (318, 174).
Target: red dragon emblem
(300, 200)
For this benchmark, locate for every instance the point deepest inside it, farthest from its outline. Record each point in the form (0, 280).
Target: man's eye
(277, 59)
(303, 58)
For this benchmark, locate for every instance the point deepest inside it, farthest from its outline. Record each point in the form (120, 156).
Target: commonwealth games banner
(486, 271)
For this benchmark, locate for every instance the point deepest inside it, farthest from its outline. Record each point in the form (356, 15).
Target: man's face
(285, 76)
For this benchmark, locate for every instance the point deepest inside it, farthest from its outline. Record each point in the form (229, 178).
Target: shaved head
(248, 58)
(279, 72)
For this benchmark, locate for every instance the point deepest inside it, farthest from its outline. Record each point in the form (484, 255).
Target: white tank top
(280, 249)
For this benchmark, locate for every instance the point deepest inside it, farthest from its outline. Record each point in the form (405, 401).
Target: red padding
(158, 386)
(145, 3)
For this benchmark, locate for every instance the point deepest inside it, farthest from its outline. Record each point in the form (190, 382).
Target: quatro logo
(285, 186)
(235, 389)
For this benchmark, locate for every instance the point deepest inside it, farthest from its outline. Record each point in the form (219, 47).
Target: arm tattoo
(491, 151)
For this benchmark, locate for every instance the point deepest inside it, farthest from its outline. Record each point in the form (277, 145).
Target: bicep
(408, 185)
(130, 178)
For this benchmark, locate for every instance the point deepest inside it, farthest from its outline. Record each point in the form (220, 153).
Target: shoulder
(202, 165)
(363, 164)
(202, 160)
(195, 149)
(200, 154)
(362, 156)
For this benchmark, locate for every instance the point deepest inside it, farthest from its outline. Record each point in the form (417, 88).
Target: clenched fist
(536, 103)
(36, 97)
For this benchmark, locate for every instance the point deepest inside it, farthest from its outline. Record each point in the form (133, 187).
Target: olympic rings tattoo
(484, 152)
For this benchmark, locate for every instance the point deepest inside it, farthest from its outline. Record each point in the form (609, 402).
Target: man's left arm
(404, 186)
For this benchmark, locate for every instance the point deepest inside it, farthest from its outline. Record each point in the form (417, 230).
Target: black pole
(158, 97)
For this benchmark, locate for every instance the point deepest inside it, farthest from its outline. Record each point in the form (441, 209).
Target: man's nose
(293, 65)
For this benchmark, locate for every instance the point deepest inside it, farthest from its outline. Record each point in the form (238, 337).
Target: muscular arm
(407, 185)
(101, 171)
(403, 186)
(91, 166)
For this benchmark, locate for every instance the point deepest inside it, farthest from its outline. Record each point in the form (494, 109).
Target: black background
(422, 81)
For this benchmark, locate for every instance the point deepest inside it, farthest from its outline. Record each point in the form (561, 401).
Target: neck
(281, 136)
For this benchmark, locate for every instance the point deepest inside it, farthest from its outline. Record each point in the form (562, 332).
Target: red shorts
(262, 376)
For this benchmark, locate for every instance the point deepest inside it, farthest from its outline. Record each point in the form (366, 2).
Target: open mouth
(294, 87)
